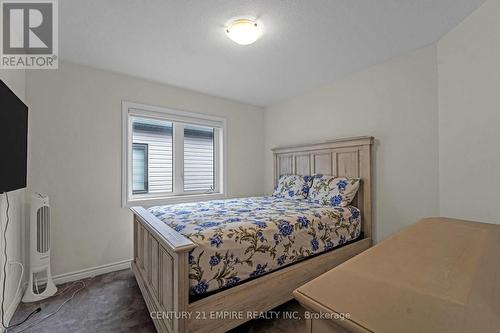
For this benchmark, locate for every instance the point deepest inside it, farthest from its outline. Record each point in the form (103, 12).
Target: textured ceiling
(306, 43)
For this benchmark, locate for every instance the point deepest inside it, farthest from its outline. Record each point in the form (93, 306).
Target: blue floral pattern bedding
(243, 238)
(333, 191)
(293, 187)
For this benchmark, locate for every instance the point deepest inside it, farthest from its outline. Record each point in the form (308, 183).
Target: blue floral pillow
(333, 191)
(293, 187)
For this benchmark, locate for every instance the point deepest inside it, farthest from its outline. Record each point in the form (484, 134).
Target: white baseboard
(91, 272)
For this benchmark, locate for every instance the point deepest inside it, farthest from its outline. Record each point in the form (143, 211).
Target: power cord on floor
(24, 320)
(60, 306)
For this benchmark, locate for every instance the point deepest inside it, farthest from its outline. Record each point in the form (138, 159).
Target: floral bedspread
(243, 238)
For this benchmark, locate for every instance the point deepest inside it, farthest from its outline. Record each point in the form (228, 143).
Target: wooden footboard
(160, 266)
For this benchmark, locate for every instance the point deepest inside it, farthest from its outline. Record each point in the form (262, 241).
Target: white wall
(16, 80)
(396, 102)
(469, 117)
(433, 145)
(76, 155)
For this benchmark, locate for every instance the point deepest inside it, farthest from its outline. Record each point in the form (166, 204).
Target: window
(171, 156)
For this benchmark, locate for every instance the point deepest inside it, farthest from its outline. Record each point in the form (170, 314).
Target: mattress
(240, 239)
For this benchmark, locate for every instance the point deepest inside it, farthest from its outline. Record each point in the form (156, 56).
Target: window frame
(179, 119)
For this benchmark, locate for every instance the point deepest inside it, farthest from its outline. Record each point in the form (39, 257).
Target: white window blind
(199, 158)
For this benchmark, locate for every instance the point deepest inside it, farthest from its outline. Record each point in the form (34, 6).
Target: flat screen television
(13, 140)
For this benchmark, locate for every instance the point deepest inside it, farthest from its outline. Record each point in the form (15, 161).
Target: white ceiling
(306, 43)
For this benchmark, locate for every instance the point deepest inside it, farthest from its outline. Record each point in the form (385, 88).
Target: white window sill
(152, 201)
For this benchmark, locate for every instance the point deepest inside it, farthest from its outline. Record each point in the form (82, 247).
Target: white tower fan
(40, 283)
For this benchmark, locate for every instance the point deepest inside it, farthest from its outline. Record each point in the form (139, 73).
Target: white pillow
(293, 187)
(333, 191)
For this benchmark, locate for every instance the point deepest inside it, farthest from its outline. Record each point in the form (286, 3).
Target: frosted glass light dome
(243, 31)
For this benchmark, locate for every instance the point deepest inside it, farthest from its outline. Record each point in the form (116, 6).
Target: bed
(241, 239)
(207, 267)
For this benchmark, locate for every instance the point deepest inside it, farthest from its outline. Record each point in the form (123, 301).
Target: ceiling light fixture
(243, 31)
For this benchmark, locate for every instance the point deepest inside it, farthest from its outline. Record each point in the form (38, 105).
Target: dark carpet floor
(113, 303)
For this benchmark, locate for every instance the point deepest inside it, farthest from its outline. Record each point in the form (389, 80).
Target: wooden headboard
(349, 157)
